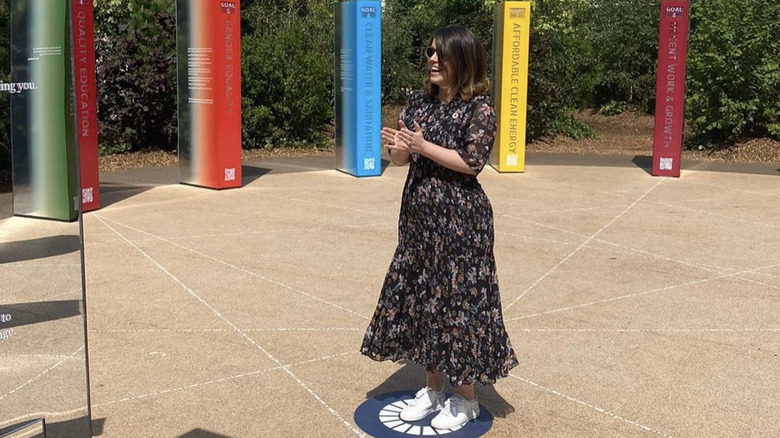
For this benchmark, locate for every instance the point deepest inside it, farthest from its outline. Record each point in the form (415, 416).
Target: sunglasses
(429, 52)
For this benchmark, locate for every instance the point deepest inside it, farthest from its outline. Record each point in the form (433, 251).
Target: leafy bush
(287, 70)
(584, 54)
(557, 55)
(613, 108)
(622, 36)
(406, 28)
(734, 69)
(135, 45)
(402, 58)
(559, 72)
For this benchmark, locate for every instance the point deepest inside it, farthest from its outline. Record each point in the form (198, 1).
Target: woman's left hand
(414, 139)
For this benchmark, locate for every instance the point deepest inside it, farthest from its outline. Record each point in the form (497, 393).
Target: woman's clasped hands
(404, 139)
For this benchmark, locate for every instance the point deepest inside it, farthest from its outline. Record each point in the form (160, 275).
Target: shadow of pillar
(76, 427)
(644, 162)
(34, 249)
(200, 433)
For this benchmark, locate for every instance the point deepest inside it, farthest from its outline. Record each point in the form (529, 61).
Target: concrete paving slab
(230, 284)
(157, 360)
(290, 345)
(639, 384)
(34, 395)
(138, 295)
(724, 303)
(6, 205)
(26, 282)
(574, 281)
(633, 258)
(252, 409)
(637, 306)
(697, 237)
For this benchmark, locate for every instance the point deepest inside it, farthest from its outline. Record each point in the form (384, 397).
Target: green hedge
(135, 45)
(734, 70)
(287, 66)
(584, 54)
(406, 27)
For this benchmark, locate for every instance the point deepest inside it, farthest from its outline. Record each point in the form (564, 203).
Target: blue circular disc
(380, 418)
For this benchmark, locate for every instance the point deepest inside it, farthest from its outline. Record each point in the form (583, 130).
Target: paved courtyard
(637, 306)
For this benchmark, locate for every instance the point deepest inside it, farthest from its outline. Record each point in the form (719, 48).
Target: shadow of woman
(412, 376)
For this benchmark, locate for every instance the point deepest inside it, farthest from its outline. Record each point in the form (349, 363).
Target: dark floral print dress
(440, 306)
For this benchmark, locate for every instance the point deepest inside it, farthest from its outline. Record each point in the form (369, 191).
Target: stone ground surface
(637, 306)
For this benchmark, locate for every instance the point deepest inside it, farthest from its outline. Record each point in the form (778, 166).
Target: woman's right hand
(396, 145)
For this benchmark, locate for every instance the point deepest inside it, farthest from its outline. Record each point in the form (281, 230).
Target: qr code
(511, 160)
(666, 163)
(87, 195)
(230, 174)
(369, 164)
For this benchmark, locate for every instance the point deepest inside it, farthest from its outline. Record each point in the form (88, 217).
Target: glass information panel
(43, 366)
(43, 137)
(44, 384)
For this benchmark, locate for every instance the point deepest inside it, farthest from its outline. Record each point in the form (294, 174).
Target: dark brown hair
(466, 62)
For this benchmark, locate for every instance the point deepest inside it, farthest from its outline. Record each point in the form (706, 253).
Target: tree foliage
(407, 25)
(135, 44)
(734, 69)
(622, 39)
(287, 67)
(584, 54)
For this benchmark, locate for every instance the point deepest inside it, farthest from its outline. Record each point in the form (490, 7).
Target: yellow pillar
(511, 34)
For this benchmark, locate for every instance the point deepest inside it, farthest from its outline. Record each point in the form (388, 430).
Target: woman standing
(440, 305)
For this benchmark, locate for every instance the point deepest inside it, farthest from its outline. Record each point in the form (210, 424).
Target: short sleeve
(480, 134)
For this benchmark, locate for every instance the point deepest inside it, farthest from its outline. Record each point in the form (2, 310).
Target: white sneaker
(457, 411)
(425, 401)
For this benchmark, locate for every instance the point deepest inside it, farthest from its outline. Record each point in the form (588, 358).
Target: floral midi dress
(440, 306)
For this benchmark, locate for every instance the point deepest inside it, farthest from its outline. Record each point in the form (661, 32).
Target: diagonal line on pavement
(637, 251)
(215, 381)
(589, 406)
(240, 269)
(43, 373)
(623, 213)
(750, 280)
(674, 286)
(710, 213)
(285, 368)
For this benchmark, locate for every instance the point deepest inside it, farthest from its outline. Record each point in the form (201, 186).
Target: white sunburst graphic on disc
(390, 416)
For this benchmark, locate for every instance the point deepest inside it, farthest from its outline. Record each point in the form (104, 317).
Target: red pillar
(86, 101)
(670, 91)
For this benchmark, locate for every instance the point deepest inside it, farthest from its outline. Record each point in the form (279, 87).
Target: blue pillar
(358, 87)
